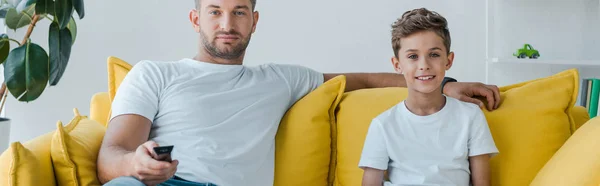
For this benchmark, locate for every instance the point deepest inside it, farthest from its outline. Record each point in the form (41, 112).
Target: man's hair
(418, 20)
(251, 1)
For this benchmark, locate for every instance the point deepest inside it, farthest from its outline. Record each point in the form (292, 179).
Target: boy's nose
(424, 64)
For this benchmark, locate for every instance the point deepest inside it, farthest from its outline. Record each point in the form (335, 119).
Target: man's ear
(194, 20)
(255, 14)
(450, 60)
(396, 65)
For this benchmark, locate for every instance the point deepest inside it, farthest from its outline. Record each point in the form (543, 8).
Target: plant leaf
(24, 4)
(26, 72)
(59, 41)
(73, 28)
(4, 47)
(4, 9)
(16, 20)
(30, 10)
(63, 10)
(78, 5)
(44, 7)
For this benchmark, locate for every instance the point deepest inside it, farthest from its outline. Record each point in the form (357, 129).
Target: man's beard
(234, 53)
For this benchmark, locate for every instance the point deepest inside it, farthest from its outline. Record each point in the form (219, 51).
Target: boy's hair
(417, 20)
(251, 1)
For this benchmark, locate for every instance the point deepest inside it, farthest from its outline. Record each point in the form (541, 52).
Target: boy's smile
(423, 60)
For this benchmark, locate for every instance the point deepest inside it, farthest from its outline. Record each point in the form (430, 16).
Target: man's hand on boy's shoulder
(469, 92)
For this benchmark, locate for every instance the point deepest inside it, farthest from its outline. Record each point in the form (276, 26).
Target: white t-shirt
(427, 150)
(222, 119)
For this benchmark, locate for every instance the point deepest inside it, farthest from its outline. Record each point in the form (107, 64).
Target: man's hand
(467, 91)
(149, 170)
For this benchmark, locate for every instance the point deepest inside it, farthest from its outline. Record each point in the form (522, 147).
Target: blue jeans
(176, 181)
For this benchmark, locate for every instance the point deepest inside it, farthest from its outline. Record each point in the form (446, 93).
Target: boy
(427, 139)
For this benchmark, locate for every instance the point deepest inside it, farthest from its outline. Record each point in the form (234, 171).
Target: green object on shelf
(594, 98)
(527, 51)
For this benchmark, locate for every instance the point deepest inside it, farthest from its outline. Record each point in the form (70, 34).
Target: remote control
(163, 153)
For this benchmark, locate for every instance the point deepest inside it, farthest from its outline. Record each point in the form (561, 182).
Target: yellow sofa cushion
(117, 70)
(100, 107)
(20, 166)
(28, 163)
(580, 116)
(75, 150)
(532, 123)
(303, 141)
(577, 162)
(356, 110)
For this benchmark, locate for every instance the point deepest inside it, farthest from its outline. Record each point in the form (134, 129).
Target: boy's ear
(396, 65)
(450, 60)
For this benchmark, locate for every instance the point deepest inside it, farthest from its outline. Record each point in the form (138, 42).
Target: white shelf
(509, 24)
(545, 61)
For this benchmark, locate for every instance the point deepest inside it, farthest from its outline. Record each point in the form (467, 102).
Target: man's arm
(124, 134)
(480, 170)
(372, 177)
(355, 81)
(467, 92)
(126, 152)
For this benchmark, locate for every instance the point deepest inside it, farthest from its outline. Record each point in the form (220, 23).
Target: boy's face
(423, 59)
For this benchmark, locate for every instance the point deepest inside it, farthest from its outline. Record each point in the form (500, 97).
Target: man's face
(423, 60)
(225, 26)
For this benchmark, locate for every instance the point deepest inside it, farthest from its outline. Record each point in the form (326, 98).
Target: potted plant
(28, 67)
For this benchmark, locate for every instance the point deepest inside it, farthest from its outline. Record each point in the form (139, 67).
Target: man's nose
(226, 23)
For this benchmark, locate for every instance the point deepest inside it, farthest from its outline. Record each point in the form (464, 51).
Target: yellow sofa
(542, 137)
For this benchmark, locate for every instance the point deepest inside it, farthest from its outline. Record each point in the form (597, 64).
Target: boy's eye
(412, 56)
(434, 55)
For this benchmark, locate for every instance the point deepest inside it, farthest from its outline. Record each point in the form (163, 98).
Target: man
(220, 116)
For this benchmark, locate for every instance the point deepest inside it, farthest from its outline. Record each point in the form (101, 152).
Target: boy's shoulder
(391, 114)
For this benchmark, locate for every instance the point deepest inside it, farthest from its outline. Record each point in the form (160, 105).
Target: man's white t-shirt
(427, 150)
(222, 119)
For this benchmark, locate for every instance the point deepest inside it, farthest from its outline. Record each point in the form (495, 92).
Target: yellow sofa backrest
(358, 107)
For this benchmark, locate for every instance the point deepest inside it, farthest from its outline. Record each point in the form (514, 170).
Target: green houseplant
(29, 68)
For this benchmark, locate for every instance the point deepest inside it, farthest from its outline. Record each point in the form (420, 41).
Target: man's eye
(214, 12)
(240, 13)
(434, 55)
(412, 56)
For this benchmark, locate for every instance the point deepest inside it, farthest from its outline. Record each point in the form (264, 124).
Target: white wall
(329, 36)
(132, 30)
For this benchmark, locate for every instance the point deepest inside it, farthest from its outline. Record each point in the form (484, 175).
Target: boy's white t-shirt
(222, 119)
(427, 150)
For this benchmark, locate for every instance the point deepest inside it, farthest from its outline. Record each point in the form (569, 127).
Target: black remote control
(163, 153)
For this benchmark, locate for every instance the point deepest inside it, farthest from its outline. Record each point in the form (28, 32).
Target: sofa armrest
(580, 115)
(577, 162)
(100, 107)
